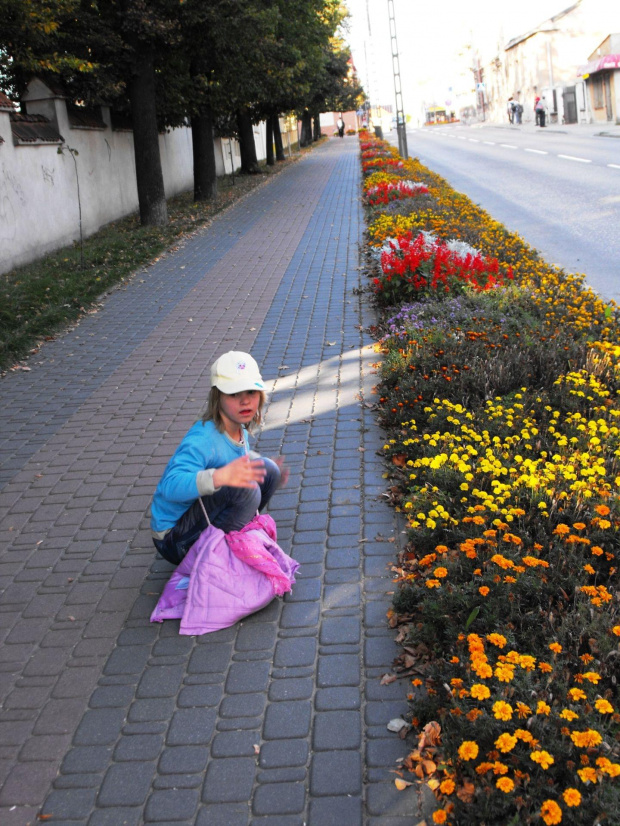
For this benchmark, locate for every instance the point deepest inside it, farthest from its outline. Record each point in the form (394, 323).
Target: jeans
(229, 509)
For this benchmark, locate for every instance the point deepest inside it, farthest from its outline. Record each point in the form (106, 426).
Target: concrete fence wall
(39, 210)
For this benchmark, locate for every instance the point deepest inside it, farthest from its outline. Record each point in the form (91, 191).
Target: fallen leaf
(401, 784)
(400, 460)
(433, 784)
(388, 678)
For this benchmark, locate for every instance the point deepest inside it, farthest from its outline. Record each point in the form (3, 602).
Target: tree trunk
(149, 175)
(205, 178)
(317, 128)
(269, 154)
(249, 162)
(277, 137)
(306, 129)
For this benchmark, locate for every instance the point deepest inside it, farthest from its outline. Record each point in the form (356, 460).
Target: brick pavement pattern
(281, 720)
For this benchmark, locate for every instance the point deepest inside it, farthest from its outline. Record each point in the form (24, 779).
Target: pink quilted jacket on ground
(225, 577)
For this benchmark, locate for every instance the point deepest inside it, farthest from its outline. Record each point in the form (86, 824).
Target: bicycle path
(107, 719)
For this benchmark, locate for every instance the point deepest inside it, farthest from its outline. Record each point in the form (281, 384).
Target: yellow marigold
(567, 714)
(499, 768)
(587, 775)
(592, 677)
(468, 750)
(523, 710)
(504, 672)
(579, 526)
(524, 735)
(555, 647)
(562, 530)
(506, 742)
(543, 758)
(441, 549)
(447, 786)
(480, 692)
(543, 708)
(607, 767)
(502, 710)
(440, 816)
(483, 590)
(546, 668)
(440, 573)
(576, 694)
(572, 797)
(602, 510)
(483, 768)
(433, 583)
(497, 639)
(505, 784)
(482, 669)
(586, 739)
(502, 562)
(527, 662)
(616, 630)
(603, 706)
(596, 550)
(551, 812)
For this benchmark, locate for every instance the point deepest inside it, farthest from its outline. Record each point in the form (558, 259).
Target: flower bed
(500, 384)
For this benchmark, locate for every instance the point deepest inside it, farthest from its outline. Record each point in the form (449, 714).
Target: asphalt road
(559, 190)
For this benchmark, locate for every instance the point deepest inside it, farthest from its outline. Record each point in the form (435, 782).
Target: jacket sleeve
(180, 480)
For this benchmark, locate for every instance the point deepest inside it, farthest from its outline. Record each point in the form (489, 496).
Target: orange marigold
(551, 812)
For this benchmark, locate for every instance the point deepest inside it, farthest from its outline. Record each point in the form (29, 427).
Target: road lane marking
(508, 146)
(537, 151)
(614, 165)
(461, 138)
(473, 140)
(573, 158)
(489, 143)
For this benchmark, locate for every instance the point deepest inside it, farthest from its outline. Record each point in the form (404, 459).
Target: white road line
(489, 143)
(509, 146)
(537, 151)
(573, 158)
(614, 165)
(461, 138)
(473, 140)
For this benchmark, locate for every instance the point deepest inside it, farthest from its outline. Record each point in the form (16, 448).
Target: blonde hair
(213, 410)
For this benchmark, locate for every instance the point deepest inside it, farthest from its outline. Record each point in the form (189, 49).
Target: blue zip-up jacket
(189, 472)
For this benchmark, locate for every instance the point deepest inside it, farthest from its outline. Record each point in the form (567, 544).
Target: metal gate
(569, 98)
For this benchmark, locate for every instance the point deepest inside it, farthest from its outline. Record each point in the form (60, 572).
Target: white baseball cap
(235, 371)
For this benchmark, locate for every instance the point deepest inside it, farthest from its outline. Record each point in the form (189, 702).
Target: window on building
(598, 94)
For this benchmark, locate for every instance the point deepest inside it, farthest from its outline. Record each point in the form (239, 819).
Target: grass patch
(43, 297)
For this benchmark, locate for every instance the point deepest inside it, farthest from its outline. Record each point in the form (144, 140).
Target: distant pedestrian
(518, 112)
(540, 110)
(511, 109)
(213, 463)
(340, 125)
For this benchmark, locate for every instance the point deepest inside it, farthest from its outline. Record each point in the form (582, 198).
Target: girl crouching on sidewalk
(214, 464)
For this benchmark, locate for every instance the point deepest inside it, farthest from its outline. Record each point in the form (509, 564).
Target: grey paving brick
(246, 678)
(226, 814)
(337, 730)
(287, 719)
(144, 711)
(242, 705)
(99, 727)
(138, 747)
(336, 811)
(336, 630)
(191, 727)
(69, 804)
(160, 681)
(86, 759)
(171, 805)
(119, 816)
(279, 799)
(199, 695)
(180, 759)
(336, 699)
(126, 784)
(295, 652)
(283, 753)
(334, 670)
(335, 773)
(235, 744)
(229, 780)
(291, 688)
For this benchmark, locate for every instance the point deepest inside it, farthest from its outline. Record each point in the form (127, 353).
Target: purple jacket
(225, 577)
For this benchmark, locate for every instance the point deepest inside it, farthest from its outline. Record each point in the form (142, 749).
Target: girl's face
(239, 409)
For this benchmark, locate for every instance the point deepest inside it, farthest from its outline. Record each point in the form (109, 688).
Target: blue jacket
(203, 447)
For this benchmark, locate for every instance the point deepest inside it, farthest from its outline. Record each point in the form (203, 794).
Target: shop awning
(606, 62)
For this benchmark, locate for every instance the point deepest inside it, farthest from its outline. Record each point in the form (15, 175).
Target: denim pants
(229, 509)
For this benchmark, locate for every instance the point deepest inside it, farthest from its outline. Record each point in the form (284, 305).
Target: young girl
(214, 463)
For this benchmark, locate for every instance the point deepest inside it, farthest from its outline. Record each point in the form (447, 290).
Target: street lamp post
(400, 114)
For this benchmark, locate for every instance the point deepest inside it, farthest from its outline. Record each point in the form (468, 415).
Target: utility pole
(400, 114)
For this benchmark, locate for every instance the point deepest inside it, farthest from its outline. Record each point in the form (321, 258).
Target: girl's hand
(241, 473)
(284, 470)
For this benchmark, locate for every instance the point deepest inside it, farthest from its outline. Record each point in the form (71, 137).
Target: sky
(432, 42)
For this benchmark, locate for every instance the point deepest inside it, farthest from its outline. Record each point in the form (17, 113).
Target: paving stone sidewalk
(107, 719)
